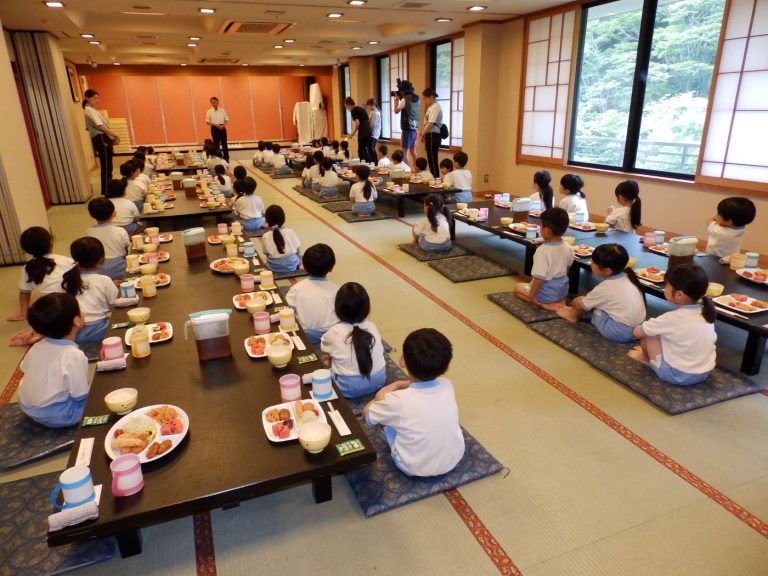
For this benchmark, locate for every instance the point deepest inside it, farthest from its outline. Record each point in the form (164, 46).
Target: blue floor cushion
(22, 440)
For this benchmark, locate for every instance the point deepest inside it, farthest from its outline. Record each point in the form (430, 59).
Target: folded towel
(123, 302)
(72, 516)
(108, 365)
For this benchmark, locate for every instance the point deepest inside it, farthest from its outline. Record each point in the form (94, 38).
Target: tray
(659, 249)
(294, 435)
(224, 261)
(748, 274)
(158, 437)
(583, 226)
(161, 280)
(239, 300)
(727, 301)
(162, 256)
(250, 353)
(583, 251)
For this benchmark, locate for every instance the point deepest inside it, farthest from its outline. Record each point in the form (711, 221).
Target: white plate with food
(161, 279)
(583, 226)
(240, 300)
(158, 332)
(163, 237)
(583, 250)
(741, 303)
(150, 432)
(756, 275)
(522, 226)
(258, 346)
(162, 256)
(225, 265)
(659, 249)
(651, 273)
(281, 421)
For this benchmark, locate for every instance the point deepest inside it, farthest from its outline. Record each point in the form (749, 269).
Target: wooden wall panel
(266, 110)
(236, 99)
(291, 91)
(176, 101)
(144, 103)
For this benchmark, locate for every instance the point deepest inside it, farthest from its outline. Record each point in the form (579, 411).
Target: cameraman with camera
(407, 102)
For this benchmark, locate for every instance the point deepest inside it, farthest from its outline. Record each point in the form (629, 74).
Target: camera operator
(407, 102)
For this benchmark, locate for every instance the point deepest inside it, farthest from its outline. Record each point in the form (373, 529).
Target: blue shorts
(611, 329)
(316, 187)
(252, 224)
(408, 138)
(326, 192)
(283, 170)
(553, 290)
(308, 183)
(314, 334)
(288, 263)
(114, 268)
(430, 247)
(58, 415)
(93, 331)
(359, 385)
(674, 376)
(463, 196)
(363, 208)
(131, 228)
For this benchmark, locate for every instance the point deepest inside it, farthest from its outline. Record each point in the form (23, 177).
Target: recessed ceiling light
(477, 8)
(86, 36)
(357, 48)
(278, 46)
(244, 64)
(443, 20)
(194, 38)
(115, 63)
(131, 13)
(373, 42)
(302, 65)
(94, 42)
(207, 11)
(356, 2)
(55, 4)
(191, 45)
(182, 64)
(289, 41)
(334, 15)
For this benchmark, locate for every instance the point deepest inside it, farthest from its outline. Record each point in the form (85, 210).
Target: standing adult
(217, 119)
(430, 134)
(408, 103)
(361, 127)
(374, 116)
(102, 137)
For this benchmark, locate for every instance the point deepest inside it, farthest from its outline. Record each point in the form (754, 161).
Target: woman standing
(430, 134)
(374, 115)
(102, 137)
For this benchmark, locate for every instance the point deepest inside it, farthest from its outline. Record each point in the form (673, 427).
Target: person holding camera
(408, 103)
(361, 126)
(430, 134)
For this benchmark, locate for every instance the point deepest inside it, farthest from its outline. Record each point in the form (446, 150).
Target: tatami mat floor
(600, 482)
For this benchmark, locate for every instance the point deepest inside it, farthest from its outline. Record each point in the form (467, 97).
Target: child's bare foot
(568, 313)
(16, 317)
(554, 306)
(638, 355)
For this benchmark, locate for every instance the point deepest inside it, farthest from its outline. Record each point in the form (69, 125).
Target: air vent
(145, 37)
(412, 5)
(148, 43)
(254, 28)
(219, 60)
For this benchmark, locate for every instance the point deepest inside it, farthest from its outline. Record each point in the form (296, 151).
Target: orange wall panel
(144, 103)
(110, 88)
(176, 101)
(291, 91)
(236, 100)
(203, 88)
(266, 111)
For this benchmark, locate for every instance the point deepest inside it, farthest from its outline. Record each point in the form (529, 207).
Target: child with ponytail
(353, 347)
(329, 180)
(96, 293)
(363, 192)
(679, 346)
(575, 200)
(281, 245)
(135, 188)
(223, 180)
(626, 217)
(432, 233)
(542, 185)
(617, 303)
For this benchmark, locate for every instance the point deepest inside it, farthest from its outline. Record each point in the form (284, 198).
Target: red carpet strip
(711, 492)
(12, 385)
(204, 547)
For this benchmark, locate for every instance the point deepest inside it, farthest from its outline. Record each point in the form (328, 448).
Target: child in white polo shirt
(549, 283)
(279, 163)
(420, 415)
(135, 188)
(384, 160)
(460, 178)
(54, 388)
(726, 229)
(398, 161)
(314, 299)
(115, 239)
(126, 214)
(433, 233)
(679, 346)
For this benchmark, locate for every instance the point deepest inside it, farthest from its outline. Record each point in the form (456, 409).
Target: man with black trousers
(217, 119)
(361, 126)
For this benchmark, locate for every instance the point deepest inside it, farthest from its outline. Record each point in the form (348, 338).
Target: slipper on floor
(26, 337)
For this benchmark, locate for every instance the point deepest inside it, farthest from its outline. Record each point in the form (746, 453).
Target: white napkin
(109, 365)
(72, 516)
(123, 302)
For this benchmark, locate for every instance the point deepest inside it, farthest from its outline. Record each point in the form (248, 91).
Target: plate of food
(535, 213)
(659, 248)
(258, 346)
(163, 237)
(226, 265)
(583, 250)
(162, 256)
(756, 275)
(240, 300)
(150, 432)
(158, 332)
(584, 226)
(522, 226)
(205, 204)
(169, 196)
(741, 303)
(161, 279)
(282, 420)
(167, 205)
(651, 273)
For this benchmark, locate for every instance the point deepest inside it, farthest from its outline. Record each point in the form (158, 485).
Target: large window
(388, 69)
(346, 91)
(643, 84)
(448, 81)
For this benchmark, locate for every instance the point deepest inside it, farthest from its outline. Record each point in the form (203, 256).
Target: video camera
(403, 87)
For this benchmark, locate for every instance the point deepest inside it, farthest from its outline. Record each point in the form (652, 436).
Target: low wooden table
(226, 457)
(186, 212)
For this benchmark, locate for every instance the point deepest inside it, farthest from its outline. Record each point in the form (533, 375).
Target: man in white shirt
(217, 119)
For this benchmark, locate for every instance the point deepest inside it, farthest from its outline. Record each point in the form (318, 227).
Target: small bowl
(601, 227)
(569, 239)
(211, 204)
(279, 356)
(256, 305)
(632, 262)
(227, 239)
(139, 315)
(461, 206)
(149, 268)
(506, 220)
(240, 268)
(152, 231)
(314, 436)
(122, 400)
(714, 289)
(149, 247)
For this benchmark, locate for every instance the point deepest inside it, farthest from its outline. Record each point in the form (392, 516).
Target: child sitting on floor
(267, 155)
(279, 163)
(54, 387)
(344, 154)
(433, 233)
(420, 415)
(626, 217)
(725, 230)
(445, 167)
(329, 180)
(543, 189)
(258, 156)
(617, 303)
(126, 213)
(135, 188)
(384, 161)
(281, 245)
(460, 178)
(239, 173)
(216, 158)
(224, 181)
(574, 199)
(314, 299)
(325, 146)
(313, 174)
(96, 294)
(363, 192)
(115, 239)
(549, 283)
(353, 346)
(248, 207)
(679, 346)
(398, 162)
(306, 173)
(423, 173)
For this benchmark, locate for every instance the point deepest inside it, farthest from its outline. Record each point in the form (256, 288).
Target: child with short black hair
(314, 298)
(216, 158)
(126, 213)
(679, 346)
(725, 230)
(223, 180)
(325, 147)
(384, 161)
(279, 163)
(543, 189)
(423, 173)
(239, 172)
(248, 207)
(626, 217)
(282, 246)
(335, 147)
(258, 156)
(617, 303)
(151, 157)
(398, 162)
(363, 193)
(574, 198)
(433, 233)
(329, 180)
(353, 347)
(140, 161)
(460, 178)
(267, 155)
(96, 294)
(116, 241)
(420, 415)
(549, 275)
(306, 174)
(54, 388)
(445, 167)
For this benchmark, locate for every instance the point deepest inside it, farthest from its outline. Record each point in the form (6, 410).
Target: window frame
(433, 47)
(345, 90)
(382, 96)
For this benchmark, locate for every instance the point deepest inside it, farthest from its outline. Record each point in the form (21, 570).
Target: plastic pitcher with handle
(194, 243)
(211, 330)
(681, 250)
(521, 208)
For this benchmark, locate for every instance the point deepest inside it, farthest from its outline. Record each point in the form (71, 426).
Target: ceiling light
(357, 48)
(94, 42)
(55, 4)
(334, 15)
(302, 65)
(130, 13)
(289, 41)
(182, 64)
(443, 20)
(194, 38)
(207, 11)
(115, 63)
(86, 36)
(477, 8)
(278, 46)
(356, 2)
(373, 42)
(191, 45)
(244, 64)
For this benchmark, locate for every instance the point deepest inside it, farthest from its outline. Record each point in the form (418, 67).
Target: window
(643, 84)
(346, 91)
(448, 82)
(391, 68)
(385, 101)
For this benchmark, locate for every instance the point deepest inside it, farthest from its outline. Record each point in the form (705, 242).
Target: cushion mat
(341, 206)
(523, 311)
(350, 217)
(23, 440)
(610, 357)
(427, 255)
(466, 268)
(319, 199)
